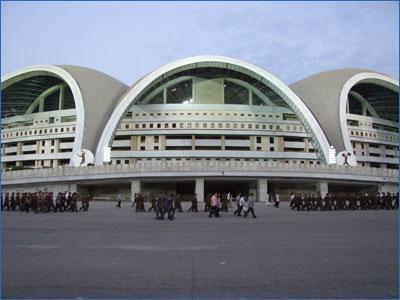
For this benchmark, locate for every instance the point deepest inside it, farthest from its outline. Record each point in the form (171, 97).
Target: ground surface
(114, 253)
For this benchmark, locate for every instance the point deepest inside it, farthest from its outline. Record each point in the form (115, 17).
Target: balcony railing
(206, 168)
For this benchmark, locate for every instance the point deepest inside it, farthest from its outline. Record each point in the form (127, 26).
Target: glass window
(235, 94)
(257, 100)
(180, 92)
(51, 101)
(158, 99)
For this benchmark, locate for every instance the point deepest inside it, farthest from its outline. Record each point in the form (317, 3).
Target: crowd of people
(44, 201)
(163, 203)
(344, 201)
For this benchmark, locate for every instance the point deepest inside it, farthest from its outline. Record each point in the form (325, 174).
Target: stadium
(198, 125)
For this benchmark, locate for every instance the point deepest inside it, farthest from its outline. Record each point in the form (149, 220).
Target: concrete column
(262, 189)
(279, 144)
(41, 104)
(19, 152)
(199, 189)
(134, 143)
(253, 143)
(135, 188)
(364, 108)
(306, 145)
(250, 97)
(149, 143)
(193, 142)
(61, 98)
(265, 143)
(322, 187)
(161, 142)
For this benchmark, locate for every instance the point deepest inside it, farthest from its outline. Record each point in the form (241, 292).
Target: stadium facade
(197, 125)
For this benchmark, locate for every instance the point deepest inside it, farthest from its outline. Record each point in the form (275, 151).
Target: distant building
(200, 124)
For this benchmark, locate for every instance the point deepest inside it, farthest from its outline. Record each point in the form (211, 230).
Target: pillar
(164, 95)
(253, 140)
(364, 108)
(135, 188)
(262, 189)
(193, 142)
(306, 145)
(61, 98)
(199, 189)
(322, 187)
(41, 104)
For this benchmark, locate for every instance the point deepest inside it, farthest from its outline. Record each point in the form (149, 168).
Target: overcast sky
(127, 40)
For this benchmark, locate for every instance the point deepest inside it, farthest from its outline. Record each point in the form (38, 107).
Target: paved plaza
(117, 253)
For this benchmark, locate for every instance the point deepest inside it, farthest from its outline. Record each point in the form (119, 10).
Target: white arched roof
(326, 95)
(366, 77)
(95, 94)
(307, 118)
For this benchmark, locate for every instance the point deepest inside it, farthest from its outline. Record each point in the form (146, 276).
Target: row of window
(227, 148)
(375, 155)
(130, 114)
(376, 146)
(38, 132)
(128, 126)
(126, 161)
(374, 135)
(51, 120)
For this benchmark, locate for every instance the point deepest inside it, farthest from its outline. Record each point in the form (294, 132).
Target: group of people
(139, 200)
(44, 201)
(273, 198)
(344, 201)
(166, 204)
(163, 203)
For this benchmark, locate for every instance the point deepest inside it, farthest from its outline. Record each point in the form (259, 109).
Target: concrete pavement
(113, 253)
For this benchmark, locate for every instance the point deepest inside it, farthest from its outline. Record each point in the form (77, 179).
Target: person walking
(119, 200)
(218, 206)
(160, 206)
(178, 203)
(170, 207)
(240, 205)
(276, 200)
(213, 205)
(237, 201)
(250, 206)
(194, 204)
(153, 203)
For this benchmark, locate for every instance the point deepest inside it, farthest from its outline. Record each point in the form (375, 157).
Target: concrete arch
(365, 77)
(29, 72)
(46, 93)
(294, 102)
(364, 103)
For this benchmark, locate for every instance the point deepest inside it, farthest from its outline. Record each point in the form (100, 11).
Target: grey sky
(127, 40)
